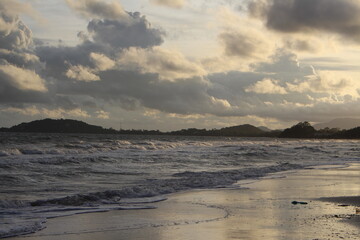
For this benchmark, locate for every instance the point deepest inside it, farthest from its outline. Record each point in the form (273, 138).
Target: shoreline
(261, 210)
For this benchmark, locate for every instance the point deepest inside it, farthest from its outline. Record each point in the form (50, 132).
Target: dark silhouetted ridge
(349, 134)
(245, 130)
(58, 126)
(300, 130)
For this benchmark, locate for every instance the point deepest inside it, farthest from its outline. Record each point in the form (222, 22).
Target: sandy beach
(255, 210)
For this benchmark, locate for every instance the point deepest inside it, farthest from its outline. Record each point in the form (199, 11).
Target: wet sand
(353, 218)
(259, 210)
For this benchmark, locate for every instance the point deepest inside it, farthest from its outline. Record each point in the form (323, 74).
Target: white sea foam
(5, 204)
(21, 228)
(30, 221)
(9, 152)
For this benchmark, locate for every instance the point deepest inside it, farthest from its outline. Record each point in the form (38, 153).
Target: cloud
(312, 45)
(284, 62)
(22, 59)
(30, 111)
(285, 90)
(220, 103)
(169, 65)
(133, 90)
(169, 3)
(101, 61)
(58, 58)
(163, 80)
(325, 83)
(245, 44)
(120, 69)
(13, 33)
(242, 38)
(45, 112)
(59, 113)
(267, 86)
(82, 73)
(20, 69)
(224, 63)
(333, 83)
(98, 9)
(99, 66)
(98, 50)
(12, 8)
(102, 114)
(22, 79)
(290, 16)
(119, 34)
(111, 25)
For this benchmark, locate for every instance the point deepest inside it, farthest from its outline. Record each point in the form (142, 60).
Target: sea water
(45, 176)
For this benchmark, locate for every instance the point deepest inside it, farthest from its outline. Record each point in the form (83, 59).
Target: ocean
(45, 176)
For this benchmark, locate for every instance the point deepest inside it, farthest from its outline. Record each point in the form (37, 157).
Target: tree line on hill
(300, 130)
(305, 130)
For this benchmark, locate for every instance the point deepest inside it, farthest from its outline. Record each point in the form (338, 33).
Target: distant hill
(300, 130)
(353, 133)
(341, 123)
(74, 126)
(305, 130)
(245, 130)
(58, 126)
(265, 129)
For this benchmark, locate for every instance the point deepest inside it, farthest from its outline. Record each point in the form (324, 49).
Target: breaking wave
(180, 182)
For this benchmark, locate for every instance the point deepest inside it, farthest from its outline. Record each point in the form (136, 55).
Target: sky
(174, 64)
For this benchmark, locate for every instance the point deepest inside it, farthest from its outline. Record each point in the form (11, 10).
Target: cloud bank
(122, 67)
(170, 3)
(333, 16)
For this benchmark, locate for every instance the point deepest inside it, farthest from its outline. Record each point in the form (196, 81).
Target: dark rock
(297, 202)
